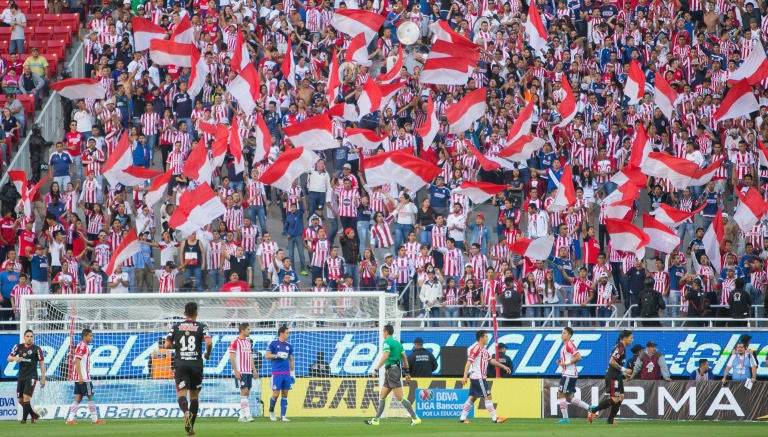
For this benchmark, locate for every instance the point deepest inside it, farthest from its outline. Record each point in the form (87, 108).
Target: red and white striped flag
(469, 53)
(28, 193)
(145, 31)
(522, 148)
(431, 126)
(389, 91)
(754, 68)
(184, 33)
(157, 190)
(369, 100)
(750, 210)
(364, 138)
(119, 168)
(400, 166)
(623, 193)
(198, 166)
(522, 124)
(490, 163)
(441, 31)
(314, 133)
(660, 236)
(762, 154)
(664, 96)
(236, 146)
(220, 145)
(334, 82)
(673, 216)
(739, 101)
(240, 56)
(197, 208)
(356, 21)
(125, 250)
(534, 28)
(289, 166)
(445, 71)
(630, 174)
(566, 194)
(711, 241)
(163, 52)
(357, 51)
(289, 66)
(19, 179)
(198, 74)
(704, 175)
(466, 111)
(536, 249)
(245, 87)
(479, 192)
(634, 88)
(263, 140)
(677, 171)
(567, 108)
(395, 72)
(641, 148)
(620, 210)
(75, 89)
(625, 236)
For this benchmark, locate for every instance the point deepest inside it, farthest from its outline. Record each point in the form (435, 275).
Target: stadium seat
(43, 33)
(5, 46)
(5, 33)
(58, 48)
(28, 102)
(36, 5)
(41, 45)
(35, 19)
(71, 20)
(63, 32)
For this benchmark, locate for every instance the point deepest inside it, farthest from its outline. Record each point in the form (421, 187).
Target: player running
(28, 355)
(283, 374)
(83, 383)
(478, 359)
(241, 359)
(187, 338)
(569, 356)
(614, 379)
(392, 354)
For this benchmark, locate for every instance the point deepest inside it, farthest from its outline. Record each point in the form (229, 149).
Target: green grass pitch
(347, 427)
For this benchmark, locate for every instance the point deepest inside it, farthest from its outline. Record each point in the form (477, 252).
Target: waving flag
(198, 166)
(75, 89)
(246, 87)
(164, 52)
(479, 192)
(357, 21)
(357, 51)
(395, 72)
(236, 146)
(463, 114)
(704, 175)
(536, 249)
(677, 171)
(630, 174)
(445, 71)
(129, 247)
(489, 163)
(333, 79)
(389, 91)
(145, 31)
(621, 210)
(534, 28)
(198, 74)
(567, 108)
(738, 101)
(314, 133)
(754, 68)
(288, 68)
(183, 33)
(289, 166)
(431, 126)
(566, 194)
(522, 148)
(197, 208)
(263, 140)
(369, 100)
(469, 54)
(240, 56)
(220, 145)
(364, 138)
(442, 31)
(673, 216)
(626, 192)
(660, 237)
(750, 210)
(664, 96)
(158, 189)
(625, 236)
(119, 166)
(641, 147)
(712, 238)
(522, 124)
(399, 166)
(634, 88)
(762, 154)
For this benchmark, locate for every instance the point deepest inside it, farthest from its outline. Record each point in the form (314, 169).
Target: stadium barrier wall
(676, 400)
(357, 397)
(351, 353)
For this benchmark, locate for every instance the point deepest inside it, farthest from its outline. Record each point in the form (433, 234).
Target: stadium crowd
(333, 231)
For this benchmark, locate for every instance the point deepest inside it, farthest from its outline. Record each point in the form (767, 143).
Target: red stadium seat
(5, 33)
(41, 45)
(28, 102)
(34, 19)
(63, 36)
(36, 5)
(71, 20)
(63, 32)
(43, 33)
(58, 48)
(5, 46)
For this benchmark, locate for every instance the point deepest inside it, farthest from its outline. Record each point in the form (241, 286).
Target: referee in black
(28, 355)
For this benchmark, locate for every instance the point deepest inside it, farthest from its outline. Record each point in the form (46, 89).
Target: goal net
(336, 338)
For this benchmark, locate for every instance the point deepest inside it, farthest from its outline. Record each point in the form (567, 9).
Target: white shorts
(40, 288)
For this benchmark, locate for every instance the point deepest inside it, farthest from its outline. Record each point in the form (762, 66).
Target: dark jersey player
(28, 355)
(187, 339)
(614, 379)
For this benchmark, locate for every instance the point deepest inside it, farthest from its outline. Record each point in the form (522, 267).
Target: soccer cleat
(500, 420)
(98, 422)
(272, 416)
(563, 421)
(34, 418)
(249, 419)
(463, 420)
(591, 414)
(373, 422)
(242, 420)
(71, 422)
(23, 421)
(188, 423)
(415, 422)
(284, 419)
(191, 432)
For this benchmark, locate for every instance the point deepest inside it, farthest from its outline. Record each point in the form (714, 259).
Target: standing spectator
(457, 224)
(31, 83)
(350, 251)
(405, 218)
(479, 233)
(636, 351)
(635, 280)
(511, 300)
(703, 372)
(650, 365)
(118, 282)
(421, 362)
(193, 256)
(502, 358)
(293, 229)
(38, 263)
(235, 284)
(144, 270)
(740, 304)
(60, 166)
(430, 293)
(743, 364)
(18, 23)
(318, 183)
(9, 278)
(650, 302)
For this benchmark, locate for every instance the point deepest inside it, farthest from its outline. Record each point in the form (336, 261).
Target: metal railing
(50, 119)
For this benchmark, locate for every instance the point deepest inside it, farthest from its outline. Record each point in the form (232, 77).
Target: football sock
(491, 409)
(605, 403)
(409, 408)
(183, 405)
(614, 411)
(283, 406)
(27, 409)
(581, 404)
(564, 408)
(193, 407)
(465, 411)
(92, 409)
(272, 402)
(73, 410)
(244, 408)
(380, 408)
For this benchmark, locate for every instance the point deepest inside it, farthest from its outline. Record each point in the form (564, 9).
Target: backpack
(648, 304)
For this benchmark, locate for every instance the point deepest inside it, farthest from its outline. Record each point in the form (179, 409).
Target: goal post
(336, 338)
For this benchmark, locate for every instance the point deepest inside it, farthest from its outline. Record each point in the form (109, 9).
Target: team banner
(676, 400)
(352, 353)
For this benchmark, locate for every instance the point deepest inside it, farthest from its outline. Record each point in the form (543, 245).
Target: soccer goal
(336, 338)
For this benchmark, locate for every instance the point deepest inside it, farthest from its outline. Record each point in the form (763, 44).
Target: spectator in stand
(743, 364)
(31, 83)
(293, 229)
(60, 166)
(118, 282)
(651, 365)
(703, 372)
(651, 303)
(18, 23)
(9, 278)
(739, 303)
(235, 284)
(636, 351)
(431, 291)
(511, 300)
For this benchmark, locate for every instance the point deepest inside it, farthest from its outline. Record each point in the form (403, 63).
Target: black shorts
(614, 387)
(25, 387)
(567, 385)
(188, 378)
(84, 389)
(393, 377)
(245, 381)
(478, 388)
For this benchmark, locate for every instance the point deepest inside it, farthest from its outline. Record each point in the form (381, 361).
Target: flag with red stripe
(127, 248)
(625, 236)
(463, 114)
(660, 237)
(289, 166)
(144, 31)
(197, 208)
(399, 166)
(313, 133)
(536, 249)
(738, 101)
(119, 168)
(479, 192)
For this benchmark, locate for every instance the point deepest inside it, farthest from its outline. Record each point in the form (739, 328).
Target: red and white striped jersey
(565, 242)
(660, 281)
(95, 224)
(451, 296)
(287, 302)
(500, 251)
(403, 270)
(605, 294)
(150, 122)
(321, 250)
(567, 352)
(167, 280)
(452, 262)
(267, 251)
(90, 194)
(383, 234)
(94, 283)
(66, 282)
(333, 268)
(348, 200)
(490, 289)
(479, 357)
(242, 349)
(233, 217)
(581, 288)
(17, 292)
(707, 274)
(317, 305)
(230, 249)
(479, 264)
(598, 269)
(255, 190)
(412, 250)
(531, 294)
(214, 254)
(249, 235)
(175, 162)
(728, 285)
(439, 236)
(84, 354)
